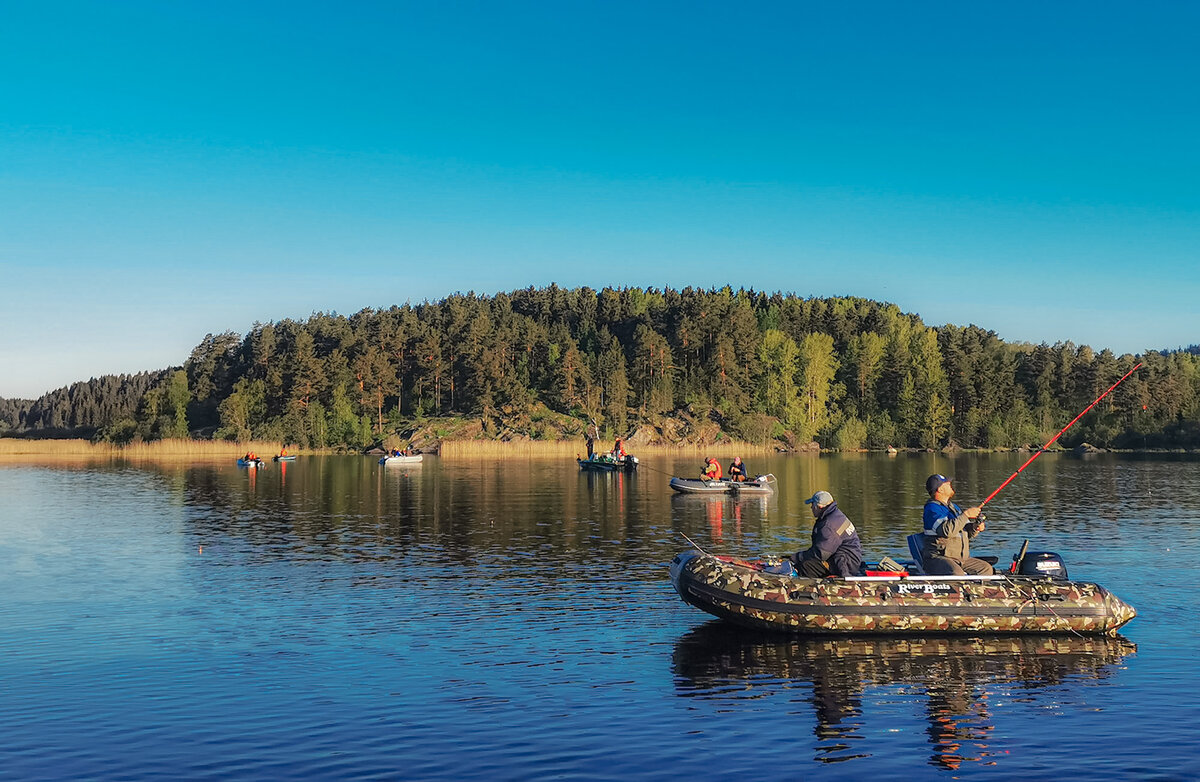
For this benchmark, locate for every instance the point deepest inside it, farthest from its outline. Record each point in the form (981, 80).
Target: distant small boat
(413, 458)
(760, 485)
(608, 463)
(251, 463)
(285, 458)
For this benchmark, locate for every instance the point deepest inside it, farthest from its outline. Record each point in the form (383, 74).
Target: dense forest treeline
(846, 372)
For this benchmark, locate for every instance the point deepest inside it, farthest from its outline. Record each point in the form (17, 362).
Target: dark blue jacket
(835, 541)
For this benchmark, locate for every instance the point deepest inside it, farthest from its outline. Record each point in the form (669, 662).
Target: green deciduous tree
(177, 398)
(817, 366)
(779, 359)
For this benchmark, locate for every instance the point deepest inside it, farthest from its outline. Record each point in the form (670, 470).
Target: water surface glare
(332, 618)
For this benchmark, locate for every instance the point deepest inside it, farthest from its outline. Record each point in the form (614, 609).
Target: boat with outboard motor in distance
(606, 462)
(759, 485)
(747, 593)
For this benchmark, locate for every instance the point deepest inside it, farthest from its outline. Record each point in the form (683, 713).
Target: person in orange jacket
(712, 470)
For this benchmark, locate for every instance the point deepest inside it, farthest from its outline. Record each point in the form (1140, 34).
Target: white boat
(759, 485)
(414, 458)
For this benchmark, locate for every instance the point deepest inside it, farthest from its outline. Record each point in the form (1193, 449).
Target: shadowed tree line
(148, 405)
(846, 372)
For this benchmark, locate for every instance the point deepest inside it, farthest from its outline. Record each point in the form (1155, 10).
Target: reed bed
(157, 449)
(20, 449)
(532, 448)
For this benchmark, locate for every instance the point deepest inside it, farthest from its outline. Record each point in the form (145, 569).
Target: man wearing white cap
(836, 549)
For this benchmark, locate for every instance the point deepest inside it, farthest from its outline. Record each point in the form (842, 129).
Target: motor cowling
(1043, 563)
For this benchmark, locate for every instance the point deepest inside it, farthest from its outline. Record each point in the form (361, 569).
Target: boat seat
(914, 548)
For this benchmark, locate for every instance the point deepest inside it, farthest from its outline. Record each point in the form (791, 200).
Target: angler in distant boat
(616, 460)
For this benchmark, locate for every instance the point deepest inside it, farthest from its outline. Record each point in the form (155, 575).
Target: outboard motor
(1042, 563)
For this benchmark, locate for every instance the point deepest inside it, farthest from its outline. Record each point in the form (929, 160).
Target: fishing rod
(1060, 434)
(694, 544)
(643, 466)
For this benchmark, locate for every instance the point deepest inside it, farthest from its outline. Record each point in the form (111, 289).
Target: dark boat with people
(1036, 598)
(606, 462)
(759, 485)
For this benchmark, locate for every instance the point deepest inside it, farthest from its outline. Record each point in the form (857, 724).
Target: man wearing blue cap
(836, 549)
(948, 532)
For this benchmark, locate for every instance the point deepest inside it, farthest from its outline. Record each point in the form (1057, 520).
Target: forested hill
(846, 372)
(81, 408)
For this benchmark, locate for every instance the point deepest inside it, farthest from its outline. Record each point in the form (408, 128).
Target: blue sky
(173, 169)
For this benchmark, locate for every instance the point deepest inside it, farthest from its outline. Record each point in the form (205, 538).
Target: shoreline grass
(508, 448)
(19, 449)
(158, 449)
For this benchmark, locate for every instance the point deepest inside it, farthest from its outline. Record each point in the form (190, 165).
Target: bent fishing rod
(1052, 440)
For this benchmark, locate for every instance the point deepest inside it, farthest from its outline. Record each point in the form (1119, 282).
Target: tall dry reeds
(531, 448)
(16, 448)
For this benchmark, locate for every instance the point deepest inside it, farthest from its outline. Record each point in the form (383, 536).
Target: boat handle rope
(1038, 599)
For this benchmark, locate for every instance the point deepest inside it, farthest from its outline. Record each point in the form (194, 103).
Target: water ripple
(339, 622)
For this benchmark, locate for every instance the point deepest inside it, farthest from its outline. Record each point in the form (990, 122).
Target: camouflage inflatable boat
(743, 592)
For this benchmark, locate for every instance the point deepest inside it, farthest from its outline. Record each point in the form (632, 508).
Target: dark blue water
(485, 620)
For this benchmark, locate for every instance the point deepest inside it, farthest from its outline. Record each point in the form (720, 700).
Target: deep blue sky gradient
(173, 169)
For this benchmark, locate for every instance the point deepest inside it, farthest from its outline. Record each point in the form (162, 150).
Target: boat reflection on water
(724, 513)
(957, 677)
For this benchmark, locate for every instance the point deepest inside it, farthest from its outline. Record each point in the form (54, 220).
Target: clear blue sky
(169, 169)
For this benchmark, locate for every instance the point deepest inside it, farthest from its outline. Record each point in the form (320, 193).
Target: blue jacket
(738, 469)
(948, 531)
(835, 541)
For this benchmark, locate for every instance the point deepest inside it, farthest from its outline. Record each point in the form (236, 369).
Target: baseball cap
(820, 499)
(934, 481)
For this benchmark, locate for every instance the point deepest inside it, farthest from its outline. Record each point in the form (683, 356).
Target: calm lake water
(332, 618)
